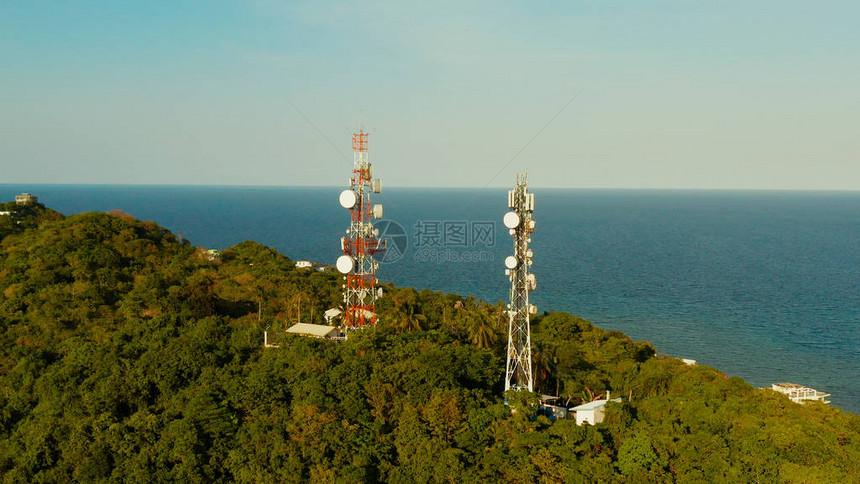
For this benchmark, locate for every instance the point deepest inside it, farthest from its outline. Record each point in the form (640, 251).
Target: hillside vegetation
(128, 356)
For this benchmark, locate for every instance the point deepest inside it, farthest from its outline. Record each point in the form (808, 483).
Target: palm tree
(411, 319)
(503, 318)
(481, 331)
(542, 368)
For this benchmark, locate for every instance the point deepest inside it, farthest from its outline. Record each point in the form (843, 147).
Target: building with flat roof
(25, 198)
(799, 393)
(592, 413)
(315, 330)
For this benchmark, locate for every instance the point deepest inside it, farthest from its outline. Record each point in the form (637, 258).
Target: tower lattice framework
(361, 286)
(520, 222)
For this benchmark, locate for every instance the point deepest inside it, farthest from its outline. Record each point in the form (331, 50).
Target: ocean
(762, 285)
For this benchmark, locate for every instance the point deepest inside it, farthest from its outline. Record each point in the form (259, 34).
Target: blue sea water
(762, 285)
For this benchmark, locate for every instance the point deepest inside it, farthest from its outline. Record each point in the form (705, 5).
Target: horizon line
(437, 187)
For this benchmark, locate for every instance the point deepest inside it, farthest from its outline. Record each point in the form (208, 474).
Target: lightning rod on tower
(520, 223)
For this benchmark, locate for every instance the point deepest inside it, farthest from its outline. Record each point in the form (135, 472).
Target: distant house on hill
(799, 393)
(315, 331)
(5, 213)
(26, 198)
(303, 264)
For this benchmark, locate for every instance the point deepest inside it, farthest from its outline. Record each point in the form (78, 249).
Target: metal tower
(521, 223)
(360, 288)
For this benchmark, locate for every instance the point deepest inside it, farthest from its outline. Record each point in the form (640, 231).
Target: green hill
(128, 356)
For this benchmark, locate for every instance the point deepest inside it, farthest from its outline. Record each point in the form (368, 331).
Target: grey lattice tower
(520, 223)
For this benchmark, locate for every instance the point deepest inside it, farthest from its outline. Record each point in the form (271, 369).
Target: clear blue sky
(668, 94)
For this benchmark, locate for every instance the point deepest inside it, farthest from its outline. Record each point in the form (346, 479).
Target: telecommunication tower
(520, 223)
(360, 288)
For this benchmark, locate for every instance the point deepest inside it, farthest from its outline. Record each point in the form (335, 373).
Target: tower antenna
(520, 223)
(361, 287)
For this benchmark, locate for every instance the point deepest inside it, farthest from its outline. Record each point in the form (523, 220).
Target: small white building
(5, 213)
(592, 412)
(315, 331)
(799, 393)
(688, 361)
(304, 264)
(331, 314)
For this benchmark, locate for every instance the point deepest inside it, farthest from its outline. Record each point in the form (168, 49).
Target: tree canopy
(129, 356)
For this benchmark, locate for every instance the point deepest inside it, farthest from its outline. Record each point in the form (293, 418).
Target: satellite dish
(532, 282)
(345, 264)
(511, 220)
(532, 309)
(348, 199)
(532, 224)
(377, 211)
(511, 262)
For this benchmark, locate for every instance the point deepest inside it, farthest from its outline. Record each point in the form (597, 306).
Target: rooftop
(318, 330)
(594, 404)
(799, 393)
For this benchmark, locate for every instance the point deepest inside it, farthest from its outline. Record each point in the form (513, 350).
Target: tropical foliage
(128, 356)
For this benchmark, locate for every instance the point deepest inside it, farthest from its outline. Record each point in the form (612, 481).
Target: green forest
(129, 356)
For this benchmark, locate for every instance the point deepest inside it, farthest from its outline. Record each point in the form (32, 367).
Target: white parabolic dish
(345, 264)
(511, 220)
(348, 199)
(510, 262)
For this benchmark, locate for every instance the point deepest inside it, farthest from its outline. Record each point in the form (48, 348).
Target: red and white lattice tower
(360, 288)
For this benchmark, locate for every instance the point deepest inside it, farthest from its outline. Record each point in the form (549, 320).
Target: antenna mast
(521, 223)
(360, 288)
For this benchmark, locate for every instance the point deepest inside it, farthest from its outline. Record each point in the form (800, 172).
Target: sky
(579, 94)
